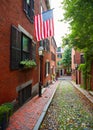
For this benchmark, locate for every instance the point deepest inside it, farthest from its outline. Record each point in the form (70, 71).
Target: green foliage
(81, 67)
(7, 109)
(80, 16)
(28, 63)
(85, 69)
(79, 13)
(66, 58)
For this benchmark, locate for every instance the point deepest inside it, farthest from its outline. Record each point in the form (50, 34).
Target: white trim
(20, 87)
(47, 73)
(25, 32)
(33, 41)
(47, 60)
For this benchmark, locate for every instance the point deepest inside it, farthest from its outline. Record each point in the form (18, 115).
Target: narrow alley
(61, 107)
(69, 110)
(46, 69)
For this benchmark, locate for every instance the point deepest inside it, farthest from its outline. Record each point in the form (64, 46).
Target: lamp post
(41, 52)
(76, 67)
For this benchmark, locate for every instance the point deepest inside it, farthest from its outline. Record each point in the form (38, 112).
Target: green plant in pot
(28, 63)
(6, 111)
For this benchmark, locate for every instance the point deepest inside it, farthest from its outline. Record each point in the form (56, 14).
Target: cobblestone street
(69, 110)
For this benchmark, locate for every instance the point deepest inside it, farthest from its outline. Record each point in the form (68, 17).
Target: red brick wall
(92, 77)
(80, 77)
(76, 61)
(11, 12)
(47, 56)
(73, 65)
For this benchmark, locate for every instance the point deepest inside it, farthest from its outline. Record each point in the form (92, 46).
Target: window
(29, 9)
(53, 57)
(24, 94)
(33, 51)
(82, 58)
(25, 47)
(47, 68)
(59, 55)
(59, 49)
(59, 63)
(74, 59)
(22, 47)
(46, 45)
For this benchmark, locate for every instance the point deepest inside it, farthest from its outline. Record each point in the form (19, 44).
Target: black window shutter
(45, 69)
(33, 51)
(15, 55)
(48, 67)
(44, 44)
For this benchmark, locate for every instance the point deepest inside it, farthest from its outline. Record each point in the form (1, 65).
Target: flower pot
(4, 121)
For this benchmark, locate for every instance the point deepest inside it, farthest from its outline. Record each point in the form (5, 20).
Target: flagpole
(40, 6)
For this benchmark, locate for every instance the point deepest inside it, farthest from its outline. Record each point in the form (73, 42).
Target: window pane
(26, 47)
(25, 44)
(25, 56)
(28, 1)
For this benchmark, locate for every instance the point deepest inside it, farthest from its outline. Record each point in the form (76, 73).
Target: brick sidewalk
(30, 115)
(86, 93)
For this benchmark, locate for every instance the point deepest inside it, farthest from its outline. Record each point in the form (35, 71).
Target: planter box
(4, 121)
(6, 111)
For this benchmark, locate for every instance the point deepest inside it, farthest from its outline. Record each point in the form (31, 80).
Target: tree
(79, 13)
(66, 58)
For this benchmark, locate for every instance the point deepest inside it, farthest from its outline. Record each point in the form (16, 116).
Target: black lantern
(41, 51)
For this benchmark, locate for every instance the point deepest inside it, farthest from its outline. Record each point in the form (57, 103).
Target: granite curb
(37, 126)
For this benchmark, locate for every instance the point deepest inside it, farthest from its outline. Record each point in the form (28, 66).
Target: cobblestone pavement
(69, 110)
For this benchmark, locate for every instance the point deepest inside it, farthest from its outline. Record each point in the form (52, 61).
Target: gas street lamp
(41, 54)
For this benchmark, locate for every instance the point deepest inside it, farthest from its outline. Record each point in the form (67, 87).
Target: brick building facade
(76, 76)
(77, 59)
(17, 44)
(61, 71)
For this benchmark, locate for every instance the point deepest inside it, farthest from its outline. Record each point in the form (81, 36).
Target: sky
(60, 28)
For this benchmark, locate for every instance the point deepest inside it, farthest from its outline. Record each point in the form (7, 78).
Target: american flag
(44, 25)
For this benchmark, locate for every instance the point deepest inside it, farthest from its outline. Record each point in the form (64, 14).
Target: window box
(26, 64)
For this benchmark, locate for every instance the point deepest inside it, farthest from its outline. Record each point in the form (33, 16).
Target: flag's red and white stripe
(38, 25)
(43, 29)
